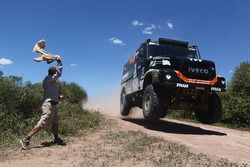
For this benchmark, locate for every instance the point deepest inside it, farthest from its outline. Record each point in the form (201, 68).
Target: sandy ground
(217, 142)
(200, 138)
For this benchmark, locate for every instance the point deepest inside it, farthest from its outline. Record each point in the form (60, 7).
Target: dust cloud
(109, 104)
(106, 104)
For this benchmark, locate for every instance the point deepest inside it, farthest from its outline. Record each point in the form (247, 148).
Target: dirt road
(98, 149)
(216, 141)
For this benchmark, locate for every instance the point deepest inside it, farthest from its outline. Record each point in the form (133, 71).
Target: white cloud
(116, 41)
(4, 61)
(230, 71)
(149, 30)
(153, 26)
(170, 25)
(73, 64)
(137, 23)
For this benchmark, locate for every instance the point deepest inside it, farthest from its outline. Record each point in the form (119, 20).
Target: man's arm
(58, 69)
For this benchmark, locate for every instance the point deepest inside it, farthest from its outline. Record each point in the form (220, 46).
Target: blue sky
(95, 38)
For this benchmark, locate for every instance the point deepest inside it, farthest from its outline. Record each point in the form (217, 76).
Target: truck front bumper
(191, 86)
(176, 79)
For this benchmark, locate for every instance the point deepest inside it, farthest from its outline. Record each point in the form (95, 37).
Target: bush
(240, 83)
(72, 92)
(20, 109)
(1, 74)
(74, 118)
(236, 101)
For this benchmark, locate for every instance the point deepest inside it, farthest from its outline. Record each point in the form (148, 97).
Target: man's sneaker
(25, 144)
(59, 141)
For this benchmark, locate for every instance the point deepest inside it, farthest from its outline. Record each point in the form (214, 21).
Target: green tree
(1, 75)
(72, 92)
(17, 80)
(240, 83)
(236, 102)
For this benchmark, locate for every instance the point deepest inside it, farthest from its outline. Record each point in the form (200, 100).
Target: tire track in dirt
(217, 142)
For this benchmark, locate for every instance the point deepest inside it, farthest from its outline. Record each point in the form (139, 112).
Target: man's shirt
(50, 86)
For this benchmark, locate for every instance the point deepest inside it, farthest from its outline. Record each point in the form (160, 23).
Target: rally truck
(169, 74)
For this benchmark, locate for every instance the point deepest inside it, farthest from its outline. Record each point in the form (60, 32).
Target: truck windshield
(163, 50)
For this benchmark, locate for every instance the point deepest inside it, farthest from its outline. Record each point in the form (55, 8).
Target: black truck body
(170, 74)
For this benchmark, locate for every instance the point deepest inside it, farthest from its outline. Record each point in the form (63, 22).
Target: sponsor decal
(132, 59)
(216, 89)
(200, 88)
(125, 76)
(198, 70)
(166, 62)
(168, 77)
(197, 81)
(199, 60)
(180, 85)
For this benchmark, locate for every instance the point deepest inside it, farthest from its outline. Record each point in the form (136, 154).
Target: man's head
(51, 70)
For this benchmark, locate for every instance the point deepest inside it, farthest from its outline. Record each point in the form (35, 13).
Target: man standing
(49, 118)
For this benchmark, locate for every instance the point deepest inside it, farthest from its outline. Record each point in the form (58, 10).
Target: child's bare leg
(48, 57)
(45, 57)
(40, 58)
(55, 57)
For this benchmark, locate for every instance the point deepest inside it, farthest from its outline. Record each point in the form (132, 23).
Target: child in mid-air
(44, 55)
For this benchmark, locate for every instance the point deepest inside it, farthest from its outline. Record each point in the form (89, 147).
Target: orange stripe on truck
(196, 81)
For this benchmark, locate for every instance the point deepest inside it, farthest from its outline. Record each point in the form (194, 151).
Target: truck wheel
(125, 105)
(213, 112)
(151, 104)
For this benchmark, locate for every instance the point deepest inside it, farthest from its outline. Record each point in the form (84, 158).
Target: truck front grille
(198, 70)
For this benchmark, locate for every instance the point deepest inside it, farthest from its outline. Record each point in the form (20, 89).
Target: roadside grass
(132, 148)
(74, 121)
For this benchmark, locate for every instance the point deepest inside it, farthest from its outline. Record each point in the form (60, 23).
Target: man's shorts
(49, 116)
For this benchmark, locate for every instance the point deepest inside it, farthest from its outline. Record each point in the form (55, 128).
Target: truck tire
(213, 111)
(125, 104)
(151, 104)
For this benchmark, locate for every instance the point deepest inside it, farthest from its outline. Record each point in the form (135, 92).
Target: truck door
(138, 68)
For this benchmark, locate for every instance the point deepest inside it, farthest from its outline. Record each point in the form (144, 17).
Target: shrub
(72, 92)
(236, 101)
(240, 83)
(20, 109)
(73, 118)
